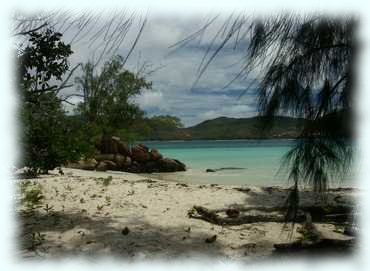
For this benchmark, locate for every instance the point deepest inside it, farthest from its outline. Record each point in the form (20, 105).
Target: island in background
(257, 127)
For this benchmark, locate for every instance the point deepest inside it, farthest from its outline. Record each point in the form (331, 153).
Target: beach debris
(211, 239)
(48, 208)
(188, 229)
(224, 168)
(243, 189)
(125, 231)
(232, 212)
(249, 247)
(149, 181)
(270, 214)
(313, 240)
(104, 181)
(60, 171)
(87, 164)
(271, 189)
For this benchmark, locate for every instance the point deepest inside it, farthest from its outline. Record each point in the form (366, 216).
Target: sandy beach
(130, 216)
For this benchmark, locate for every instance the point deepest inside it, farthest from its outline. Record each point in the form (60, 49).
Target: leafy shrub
(105, 181)
(31, 195)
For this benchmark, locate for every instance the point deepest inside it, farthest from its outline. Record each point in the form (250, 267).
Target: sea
(236, 162)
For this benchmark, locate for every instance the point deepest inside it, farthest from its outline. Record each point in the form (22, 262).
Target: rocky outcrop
(155, 155)
(116, 155)
(140, 153)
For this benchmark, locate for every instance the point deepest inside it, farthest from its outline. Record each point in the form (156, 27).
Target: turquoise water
(260, 160)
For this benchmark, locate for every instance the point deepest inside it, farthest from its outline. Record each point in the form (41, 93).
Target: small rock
(232, 213)
(350, 230)
(125, 231)
(211, 239)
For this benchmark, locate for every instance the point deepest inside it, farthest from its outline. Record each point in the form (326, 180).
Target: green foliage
(165, 122)
(31, 195)
(37, 240)
(107, 95)
(41, 62)
(105, 181)
(224, 128)
(306, 69)
(85, 135)
(312, 77)
(307, 235)
(47, 141)
(156, 127)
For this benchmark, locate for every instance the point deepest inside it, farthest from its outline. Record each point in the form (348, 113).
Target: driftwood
(199, 212)
(314, 241)
(332, 214)
(322, 244)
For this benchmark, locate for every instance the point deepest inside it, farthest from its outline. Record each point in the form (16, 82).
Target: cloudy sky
(172, 91)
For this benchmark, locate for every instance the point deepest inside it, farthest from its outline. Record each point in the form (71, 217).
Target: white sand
(87, 218)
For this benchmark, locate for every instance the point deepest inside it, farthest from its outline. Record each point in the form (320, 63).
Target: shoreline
(138, 217)
(210, 139)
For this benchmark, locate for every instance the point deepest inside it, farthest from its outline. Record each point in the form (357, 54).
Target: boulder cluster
(116, 155)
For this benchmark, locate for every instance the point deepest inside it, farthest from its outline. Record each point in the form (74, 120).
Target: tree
(311, 75)
(107, 96)
(46, 141)
(306, 66)
(165, 122)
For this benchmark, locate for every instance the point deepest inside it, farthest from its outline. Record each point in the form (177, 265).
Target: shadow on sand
(76, 234)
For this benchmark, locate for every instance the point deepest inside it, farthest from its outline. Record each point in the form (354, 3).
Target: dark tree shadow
(276, 196)
(103, 236)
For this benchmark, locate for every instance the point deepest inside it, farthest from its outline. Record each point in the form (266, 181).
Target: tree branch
(31, 31)
(63, 85)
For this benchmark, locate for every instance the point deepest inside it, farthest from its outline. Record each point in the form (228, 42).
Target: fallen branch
(323, 244)
(331, 214)
(314, 241)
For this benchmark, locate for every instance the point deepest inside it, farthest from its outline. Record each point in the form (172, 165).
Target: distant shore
(129, 216)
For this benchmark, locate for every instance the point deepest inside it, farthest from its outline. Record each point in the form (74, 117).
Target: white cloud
(171, 85)
(150, 99)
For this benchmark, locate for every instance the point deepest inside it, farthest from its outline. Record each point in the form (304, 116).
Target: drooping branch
(64, 83)
(31, 31)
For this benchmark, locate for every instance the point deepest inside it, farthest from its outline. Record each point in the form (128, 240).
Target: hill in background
(233, 128)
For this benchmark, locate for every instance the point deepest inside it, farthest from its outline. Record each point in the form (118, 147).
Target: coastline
(135, 217)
